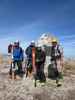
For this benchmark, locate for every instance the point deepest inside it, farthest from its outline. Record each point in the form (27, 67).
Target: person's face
(18, 44)
(39, 48)
(54, 43)
(33, 44)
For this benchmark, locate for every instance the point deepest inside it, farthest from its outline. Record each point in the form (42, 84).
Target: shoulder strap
(58, 49)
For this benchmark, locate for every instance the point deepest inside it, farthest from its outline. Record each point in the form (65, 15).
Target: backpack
(40, 56)
(29, 52)
(52, 72)
(9, 48)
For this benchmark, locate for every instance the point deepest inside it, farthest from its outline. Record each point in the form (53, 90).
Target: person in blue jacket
(18, 57)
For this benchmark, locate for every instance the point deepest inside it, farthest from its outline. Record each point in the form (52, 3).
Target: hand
(34, 73)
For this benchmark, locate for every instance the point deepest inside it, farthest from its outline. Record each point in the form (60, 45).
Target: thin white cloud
(6, 41)
(67, 36)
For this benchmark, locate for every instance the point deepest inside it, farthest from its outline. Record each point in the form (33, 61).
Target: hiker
(10, 50)
(18, 58)
(57, 60)
(40, 57)
(29, 57)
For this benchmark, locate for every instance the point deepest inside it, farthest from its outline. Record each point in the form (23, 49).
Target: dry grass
(69, 67)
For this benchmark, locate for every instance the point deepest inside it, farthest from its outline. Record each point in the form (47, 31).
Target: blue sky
(26, 20)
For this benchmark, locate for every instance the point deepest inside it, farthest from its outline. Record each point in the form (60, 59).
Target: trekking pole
(26, 67)
(10, 71)
(33, 64)
(13, 71)
(35, 83)
(26, 72)
(35, 80)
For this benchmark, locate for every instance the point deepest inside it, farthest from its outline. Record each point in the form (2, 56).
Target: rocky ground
(23, 89)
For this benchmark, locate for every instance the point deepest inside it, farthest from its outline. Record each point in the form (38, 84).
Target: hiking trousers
(13, 66)
(40, 72)
(58, 67)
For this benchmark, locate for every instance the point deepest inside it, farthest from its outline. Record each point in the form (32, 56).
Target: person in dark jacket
(40, 61)
(28, 52)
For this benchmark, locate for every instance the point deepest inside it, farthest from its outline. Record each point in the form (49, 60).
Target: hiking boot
(59, 84)
(42, 84)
